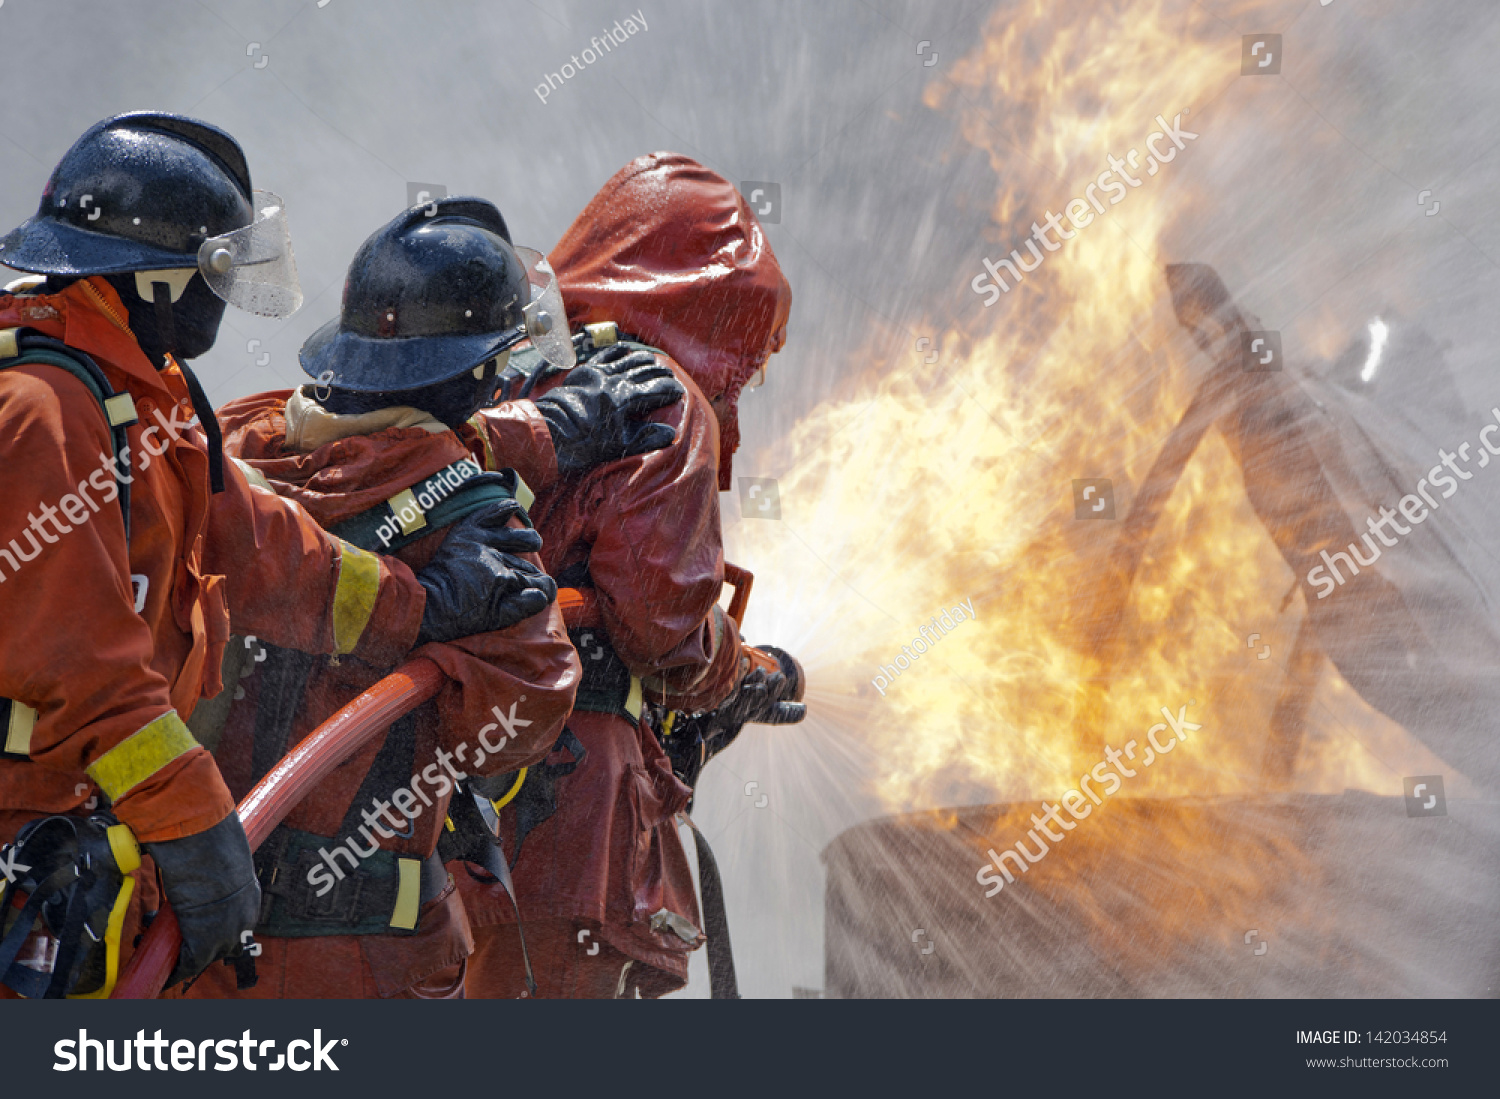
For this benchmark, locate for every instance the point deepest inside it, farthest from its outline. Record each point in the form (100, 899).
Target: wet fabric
(101, 644)
(670, 252)
(516, 681)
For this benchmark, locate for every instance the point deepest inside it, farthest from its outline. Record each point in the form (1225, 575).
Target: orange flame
(902, 502)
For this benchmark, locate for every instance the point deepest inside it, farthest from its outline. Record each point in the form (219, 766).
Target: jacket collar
(89, 315)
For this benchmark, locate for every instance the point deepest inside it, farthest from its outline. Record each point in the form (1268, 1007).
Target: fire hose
(287, 783)
(278, 793)
(313, 759)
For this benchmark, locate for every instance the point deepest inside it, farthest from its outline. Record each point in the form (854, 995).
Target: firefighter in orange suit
(129, 547)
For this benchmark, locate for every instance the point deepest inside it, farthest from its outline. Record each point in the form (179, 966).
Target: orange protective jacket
(104, 687)
(524, 676)
(530, 667)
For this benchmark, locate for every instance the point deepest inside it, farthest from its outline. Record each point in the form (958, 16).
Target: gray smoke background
(1307, 198)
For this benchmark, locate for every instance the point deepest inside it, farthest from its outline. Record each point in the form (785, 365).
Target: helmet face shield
(546, 318)
(253, 268)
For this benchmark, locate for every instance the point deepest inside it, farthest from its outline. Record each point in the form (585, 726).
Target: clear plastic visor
(546, 317)
(253, 268)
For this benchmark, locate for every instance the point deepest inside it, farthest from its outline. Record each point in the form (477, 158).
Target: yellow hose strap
(140, 755)
(408, 894)
(123, 845)
(512, 792)
(354, 598)
(120, 409)
(404, 503)
(127, 853)
(112, 932)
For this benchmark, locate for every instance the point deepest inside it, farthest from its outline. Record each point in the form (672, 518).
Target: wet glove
(768, 696)
(209, 879)
(475, 583)
(596, 414)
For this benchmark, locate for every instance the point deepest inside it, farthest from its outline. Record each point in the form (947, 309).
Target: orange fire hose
(278, 793)
(292, 779)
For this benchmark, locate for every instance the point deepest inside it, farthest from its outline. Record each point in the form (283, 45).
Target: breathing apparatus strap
(20, 346)
(90, 861)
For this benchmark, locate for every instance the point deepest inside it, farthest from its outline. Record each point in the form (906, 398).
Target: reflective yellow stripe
(633, 699)
(603, 334)
(404, 503)
(9, 347)
(120, 409)
(354, 598)
(141, 755)
(408, 894)
(512, 792)
(524, 496)
(18, 731)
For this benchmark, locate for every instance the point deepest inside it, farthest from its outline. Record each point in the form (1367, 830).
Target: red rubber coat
(670, 253)
(531, 666)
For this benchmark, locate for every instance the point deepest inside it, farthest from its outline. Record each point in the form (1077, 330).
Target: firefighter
(666, 255)
(128, 547)
(376, 452)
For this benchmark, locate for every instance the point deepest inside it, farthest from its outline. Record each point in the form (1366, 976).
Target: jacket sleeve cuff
(390, 633)
(185, 797)
(704, 688)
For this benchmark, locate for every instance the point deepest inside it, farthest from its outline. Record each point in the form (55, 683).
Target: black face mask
(195, 319)
(186, 328)
(451, 402)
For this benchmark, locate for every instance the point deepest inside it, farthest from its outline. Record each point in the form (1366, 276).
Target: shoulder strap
(447, 497)
(20, 346)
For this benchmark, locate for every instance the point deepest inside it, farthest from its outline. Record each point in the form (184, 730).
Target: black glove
(595, 415)
(766, 697)
(475, 582)
(209, 879)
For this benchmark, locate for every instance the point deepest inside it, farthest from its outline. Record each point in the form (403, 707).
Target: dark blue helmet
(436, 292)
(138, 192)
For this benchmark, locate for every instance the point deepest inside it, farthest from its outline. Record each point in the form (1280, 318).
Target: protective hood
(671, 253)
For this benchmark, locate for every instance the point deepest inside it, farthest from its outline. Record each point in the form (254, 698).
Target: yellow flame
(953, 481)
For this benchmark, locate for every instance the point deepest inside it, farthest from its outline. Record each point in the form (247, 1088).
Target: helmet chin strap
(166, 331)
